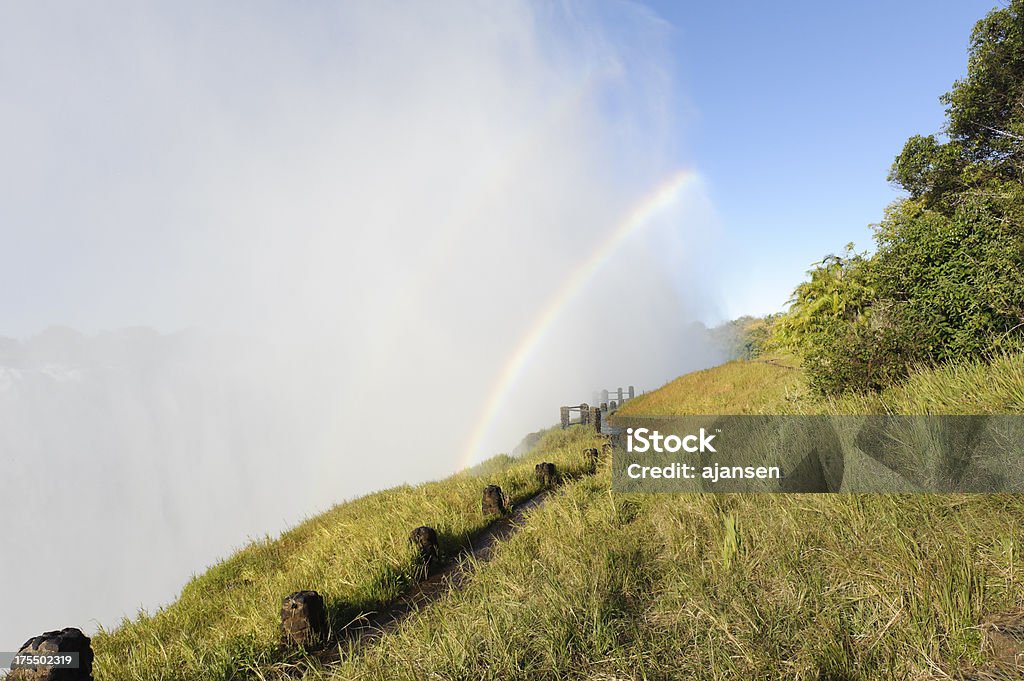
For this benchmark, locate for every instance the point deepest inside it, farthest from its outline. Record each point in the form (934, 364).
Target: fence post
(632, 392)
(565, 417)
(604, 395)
(595, 416)
(546, 474)
(424, 540)
(303, 619)
(620, 395)
(584, 413)
(493, 501)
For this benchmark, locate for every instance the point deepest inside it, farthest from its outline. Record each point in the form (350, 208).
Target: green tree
(849, 339)
(986, 109)
(956, 282)
(836, 293)
(946, 280)
(929, 170)
(984, 121)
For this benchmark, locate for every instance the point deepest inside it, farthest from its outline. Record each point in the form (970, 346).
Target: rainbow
(663, 196)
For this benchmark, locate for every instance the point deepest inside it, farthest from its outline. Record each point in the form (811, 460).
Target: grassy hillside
(774, 386)
(225, 624)
(756, 386)
(610, 587)
(602, 586)
(705, 586)
(971, 387)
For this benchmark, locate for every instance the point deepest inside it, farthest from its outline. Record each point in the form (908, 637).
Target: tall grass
(823, 587)
(225, 624)
(635, 587)
(776, 386)
(974, 387)
(738, 387)
(602, 586)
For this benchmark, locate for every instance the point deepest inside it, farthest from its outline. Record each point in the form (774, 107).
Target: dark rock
(303, 619)
(425, 540)
(494, 501)
(68, 640)
(546, 474)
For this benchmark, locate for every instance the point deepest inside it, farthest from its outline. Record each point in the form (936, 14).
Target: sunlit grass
(356, 555)
(702, 586)
(976, 387)
(761, 386)
(777, 386)
(602, 586)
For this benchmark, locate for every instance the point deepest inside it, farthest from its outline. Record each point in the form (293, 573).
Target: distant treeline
(945, 282)
(744, 338)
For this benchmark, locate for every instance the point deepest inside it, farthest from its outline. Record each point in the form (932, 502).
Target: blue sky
(794, 111)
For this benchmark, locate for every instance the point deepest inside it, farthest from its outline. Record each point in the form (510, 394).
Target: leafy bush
(861, 355)
(959, 279)
(946, 281)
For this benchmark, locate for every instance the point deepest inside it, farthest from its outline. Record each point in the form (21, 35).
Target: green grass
(225, 624)
(611, 587)
(701, 586)
(775, 386)
(603, 586)
(761, 386)
(995, 387)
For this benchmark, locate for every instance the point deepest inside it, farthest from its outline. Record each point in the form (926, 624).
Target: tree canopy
(946, 280)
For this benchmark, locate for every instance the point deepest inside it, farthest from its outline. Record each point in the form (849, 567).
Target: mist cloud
(313, 217)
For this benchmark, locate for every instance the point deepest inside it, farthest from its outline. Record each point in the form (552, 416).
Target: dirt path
(453, 575)
(775, 363)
